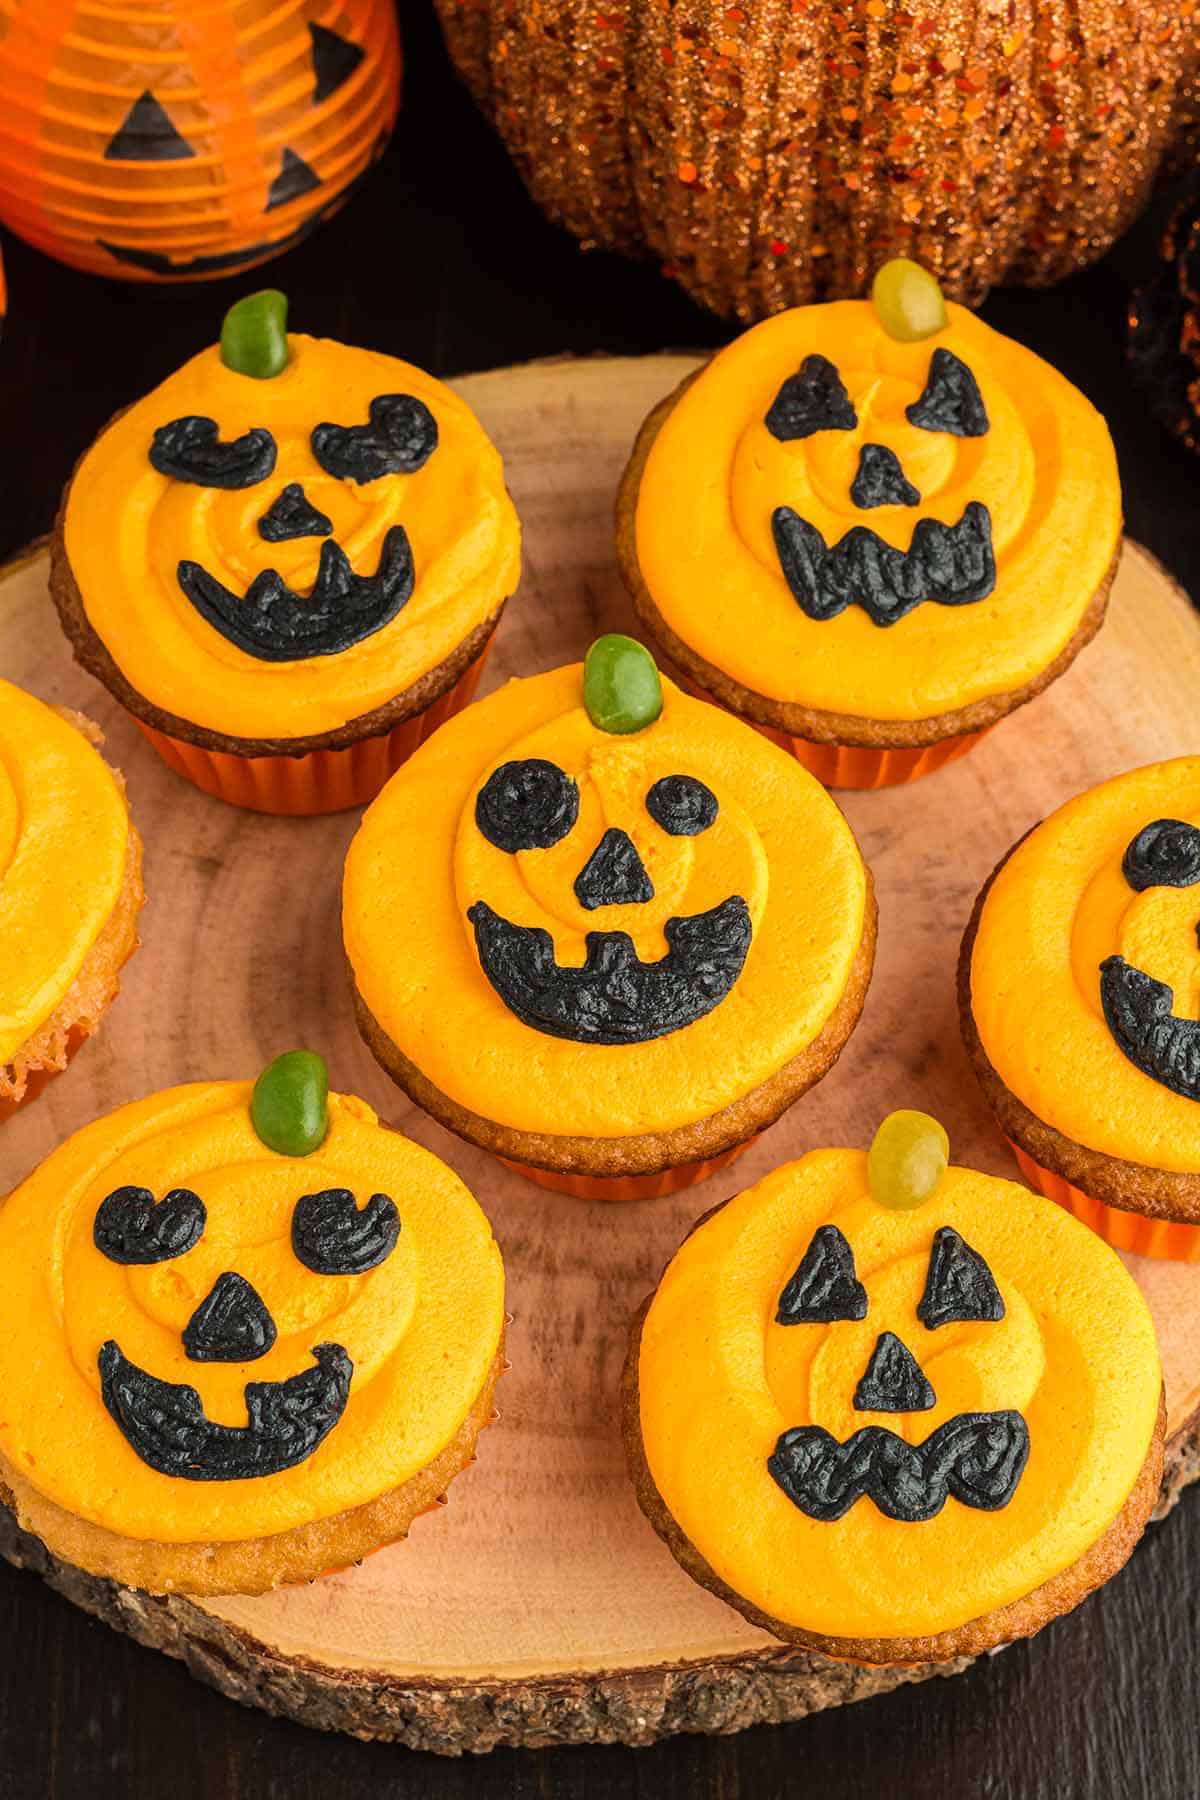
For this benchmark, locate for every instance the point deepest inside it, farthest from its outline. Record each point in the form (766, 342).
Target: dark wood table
(443, 259)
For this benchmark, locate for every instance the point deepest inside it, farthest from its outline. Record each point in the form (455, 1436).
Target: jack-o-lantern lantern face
(151, 147)
(875, 1423)
(275, 557)
(301, 1332)
(874, 527)
(591, 931)
(1092, 923)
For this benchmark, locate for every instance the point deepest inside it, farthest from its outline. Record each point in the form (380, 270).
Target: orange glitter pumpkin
(774, 154)
(169, 141)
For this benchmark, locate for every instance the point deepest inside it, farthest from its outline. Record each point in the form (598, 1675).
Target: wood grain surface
(539, 1607)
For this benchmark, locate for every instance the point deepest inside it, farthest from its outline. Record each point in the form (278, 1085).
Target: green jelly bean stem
(622, 688)
(254, 337)
(289, 1108)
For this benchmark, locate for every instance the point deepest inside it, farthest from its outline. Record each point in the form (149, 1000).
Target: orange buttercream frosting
(422, 1328)
(720, 1379)
(1059, 908)
(1045, 469)
(420, 862)
(127, 527)
(64, 835)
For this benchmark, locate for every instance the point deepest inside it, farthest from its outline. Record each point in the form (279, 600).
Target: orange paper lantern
(176, 139)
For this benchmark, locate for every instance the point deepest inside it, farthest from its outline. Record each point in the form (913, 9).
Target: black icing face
(1139, 1009)
(977, 1457)
(165, 1422)
(952, 565)
(614, 997)
(270, 620)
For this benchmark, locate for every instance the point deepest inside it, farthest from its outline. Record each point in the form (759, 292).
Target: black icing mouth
(274, 623)
(952, 565)
(979, 1458)
(1146, 1030)
(615, 998)
(165, 1424)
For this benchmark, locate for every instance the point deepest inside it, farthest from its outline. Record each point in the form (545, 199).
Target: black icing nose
(230, 1325)
(614, 874)
(292, 515)
(893, 1380)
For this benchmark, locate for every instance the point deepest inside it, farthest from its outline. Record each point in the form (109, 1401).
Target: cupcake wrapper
(851, 765)
(627, 1187)
(39, 1079)
(1123, 1230)
(324, 781)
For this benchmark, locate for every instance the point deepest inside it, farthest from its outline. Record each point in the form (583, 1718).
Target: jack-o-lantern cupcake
(604, 930)
(70, 890)
(1079, 986)
(287, 562)
(872, 528)
(865, 1407)
(254, 1335)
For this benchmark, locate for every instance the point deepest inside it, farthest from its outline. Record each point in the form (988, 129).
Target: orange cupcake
(70, 890)
(604, 930)
(287, 562)
(1079, 984)
(865, 1407)
(259, 1334)
(872, 529)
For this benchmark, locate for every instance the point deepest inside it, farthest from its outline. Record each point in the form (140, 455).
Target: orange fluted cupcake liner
(628, 1187)
(323, 781)
(1123, 1230)
(854, 765)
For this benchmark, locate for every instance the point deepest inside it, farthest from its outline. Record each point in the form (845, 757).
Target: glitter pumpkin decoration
(1164, 327)
(773, 154)
(174, 141)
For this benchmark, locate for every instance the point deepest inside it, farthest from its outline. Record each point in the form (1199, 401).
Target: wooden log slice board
(538, 1607)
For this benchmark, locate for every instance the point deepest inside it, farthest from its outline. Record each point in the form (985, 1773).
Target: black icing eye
(190, 449)
(131, 1228)
(814, 400)
(951, 400)
(401, 437)
(331, 1236)
(825, 1287)
(527, 805)
(1164, 854)
(959, 1285)
(682, 805)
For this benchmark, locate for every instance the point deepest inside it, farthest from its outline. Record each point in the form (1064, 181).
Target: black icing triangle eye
(951, 400)
(295, 177)
(527, 805)
(131, 1227)
(959, 1286)
(813, 400)
(147, 135)
(399, 439)
(331, 1235)
(682, 805)
(881, 481)
(1163, 854)
(190, 449)
(334, 61)
(825, 1287)
(230, 1325)
(893, 1380)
